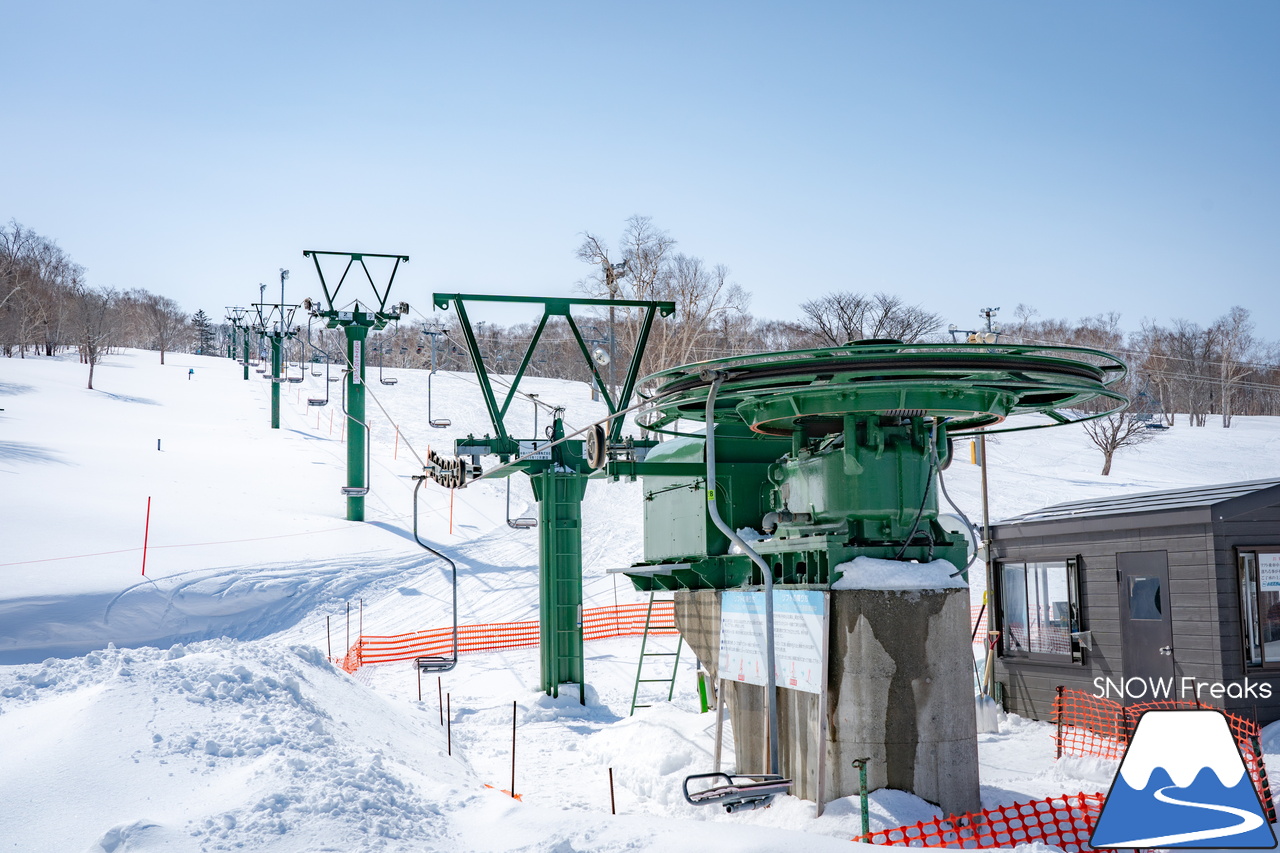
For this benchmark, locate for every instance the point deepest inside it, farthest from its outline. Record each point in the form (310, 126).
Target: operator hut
(1121, 596)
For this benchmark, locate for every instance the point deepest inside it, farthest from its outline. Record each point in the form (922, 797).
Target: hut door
(1146, 625)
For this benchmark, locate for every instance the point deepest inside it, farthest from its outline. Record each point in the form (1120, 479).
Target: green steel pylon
(559, 477)
(356, 320)
(239, 333)
(275, 323)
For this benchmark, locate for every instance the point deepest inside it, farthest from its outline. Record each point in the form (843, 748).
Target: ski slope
(194, 709)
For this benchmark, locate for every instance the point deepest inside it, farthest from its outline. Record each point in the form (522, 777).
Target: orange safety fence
(1064, 822)
(598, 623)
(1089, 725)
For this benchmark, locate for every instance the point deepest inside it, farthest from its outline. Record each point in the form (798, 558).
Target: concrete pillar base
(899, 691)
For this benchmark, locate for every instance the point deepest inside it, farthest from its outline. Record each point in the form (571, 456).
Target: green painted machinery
(830, 454)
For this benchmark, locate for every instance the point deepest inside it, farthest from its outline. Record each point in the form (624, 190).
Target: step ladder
(670, 680)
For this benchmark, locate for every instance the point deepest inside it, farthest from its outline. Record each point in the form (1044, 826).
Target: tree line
(47, 306)
(1182, 369)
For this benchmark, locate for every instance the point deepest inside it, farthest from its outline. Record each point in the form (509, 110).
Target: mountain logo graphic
(1182, 783)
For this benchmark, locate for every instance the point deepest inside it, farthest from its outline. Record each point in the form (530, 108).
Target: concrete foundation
(899, 691)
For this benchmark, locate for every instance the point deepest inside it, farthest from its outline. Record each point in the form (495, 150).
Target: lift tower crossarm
(553, 307)
(331, 297)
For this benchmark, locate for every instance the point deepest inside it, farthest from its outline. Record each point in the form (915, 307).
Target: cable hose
(924, 499)
(714, 512)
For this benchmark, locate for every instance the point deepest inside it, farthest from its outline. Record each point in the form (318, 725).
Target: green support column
(275, 382)
(356, 434)
(559, 497)
(246, 353)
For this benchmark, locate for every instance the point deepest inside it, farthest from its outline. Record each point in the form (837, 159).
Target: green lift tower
(356, 319)
(239, 335)
(275, 323)
(558, 467)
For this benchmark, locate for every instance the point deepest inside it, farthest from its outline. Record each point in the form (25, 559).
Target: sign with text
(535, 449)
(1269, 571)
(797, 638)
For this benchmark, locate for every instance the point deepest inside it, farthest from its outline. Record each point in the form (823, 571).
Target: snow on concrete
(194, 709)
(874, 573)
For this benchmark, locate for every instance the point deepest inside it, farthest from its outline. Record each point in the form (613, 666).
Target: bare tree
(162, 318)
(1233, 334)
(707, 303)
(841, 317)
(1114, 432)
(93, 323)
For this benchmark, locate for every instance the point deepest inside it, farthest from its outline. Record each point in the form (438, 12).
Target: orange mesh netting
(598, 623)
(1088, 725)
(1064, 822)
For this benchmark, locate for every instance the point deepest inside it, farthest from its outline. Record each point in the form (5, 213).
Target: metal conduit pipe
(771, 687)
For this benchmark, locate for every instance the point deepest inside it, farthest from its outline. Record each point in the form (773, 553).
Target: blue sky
(1078, 157)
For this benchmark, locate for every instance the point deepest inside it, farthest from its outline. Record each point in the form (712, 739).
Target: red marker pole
(145, 536)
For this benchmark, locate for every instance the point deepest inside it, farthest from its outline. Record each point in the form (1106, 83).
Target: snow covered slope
(215, 722)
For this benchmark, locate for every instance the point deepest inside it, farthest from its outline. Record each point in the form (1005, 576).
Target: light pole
(613, 272)
(977, 336)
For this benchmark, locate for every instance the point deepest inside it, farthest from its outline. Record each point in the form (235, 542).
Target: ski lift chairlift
(738, 792)
(438, 423)
(437, 663)
(322, 401)
(524, 522)
(389, 381)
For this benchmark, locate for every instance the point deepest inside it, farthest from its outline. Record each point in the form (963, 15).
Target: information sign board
(797, 636)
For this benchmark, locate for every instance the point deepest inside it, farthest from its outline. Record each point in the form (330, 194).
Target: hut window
(1039, 610)
(1260, 606)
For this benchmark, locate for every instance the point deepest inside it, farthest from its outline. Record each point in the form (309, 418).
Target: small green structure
(356, 320)
(239, 334)
(558, 473)
(274, 321)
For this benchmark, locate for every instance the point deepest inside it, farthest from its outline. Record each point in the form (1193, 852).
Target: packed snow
(196, 709)
(874, 573)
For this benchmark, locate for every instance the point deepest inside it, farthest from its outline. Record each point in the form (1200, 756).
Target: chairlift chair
(437, 663)
(737, 793)
(524, 522)
(321, 401)
(390, 381)
(438, 423)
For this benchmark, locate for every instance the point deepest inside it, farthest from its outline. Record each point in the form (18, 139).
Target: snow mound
(254, 742)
